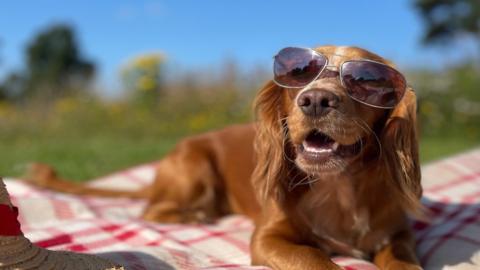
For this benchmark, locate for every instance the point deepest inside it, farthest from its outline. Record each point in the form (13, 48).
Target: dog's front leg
(275, 244)
(399, 254)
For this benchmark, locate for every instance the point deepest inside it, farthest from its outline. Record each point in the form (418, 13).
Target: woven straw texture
(17, 252)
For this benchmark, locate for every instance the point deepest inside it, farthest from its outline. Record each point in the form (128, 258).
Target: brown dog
(336, 165)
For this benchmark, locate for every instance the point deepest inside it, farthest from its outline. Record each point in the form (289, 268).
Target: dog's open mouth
(318, 147)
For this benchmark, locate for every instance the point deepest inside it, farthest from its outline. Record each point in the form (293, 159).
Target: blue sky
(199, 34)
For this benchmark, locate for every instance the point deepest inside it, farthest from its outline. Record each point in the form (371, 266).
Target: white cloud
(149, 10)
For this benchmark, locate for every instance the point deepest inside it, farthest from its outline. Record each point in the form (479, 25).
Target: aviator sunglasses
(366, 81)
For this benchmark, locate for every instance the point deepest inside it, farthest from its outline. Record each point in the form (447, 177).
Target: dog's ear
(269, 142)
(400, 152)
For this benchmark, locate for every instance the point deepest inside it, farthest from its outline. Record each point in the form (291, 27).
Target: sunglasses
(369, 82)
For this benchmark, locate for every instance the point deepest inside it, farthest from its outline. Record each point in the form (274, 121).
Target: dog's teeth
(305, 146)
(317, 150)
(335, 146)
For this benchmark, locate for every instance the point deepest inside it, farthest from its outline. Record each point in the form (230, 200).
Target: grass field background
(83, 158)
(89, 139)
(85, 136)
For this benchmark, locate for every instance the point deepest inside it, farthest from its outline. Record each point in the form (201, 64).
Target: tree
(55, 66)
(447, 20)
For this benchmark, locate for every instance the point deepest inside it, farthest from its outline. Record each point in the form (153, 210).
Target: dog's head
(322, 129)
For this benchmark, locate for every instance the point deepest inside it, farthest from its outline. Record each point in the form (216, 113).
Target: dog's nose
(317, 102)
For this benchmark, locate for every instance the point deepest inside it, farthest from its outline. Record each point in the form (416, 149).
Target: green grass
(86, 157)
(81, 158)
(433, 148)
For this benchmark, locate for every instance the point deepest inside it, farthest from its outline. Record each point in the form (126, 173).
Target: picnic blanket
(111, 227)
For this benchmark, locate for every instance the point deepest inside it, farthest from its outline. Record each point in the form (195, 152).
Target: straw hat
(17, 252)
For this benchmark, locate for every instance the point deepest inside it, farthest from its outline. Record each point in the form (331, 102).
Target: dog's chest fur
(339, 221)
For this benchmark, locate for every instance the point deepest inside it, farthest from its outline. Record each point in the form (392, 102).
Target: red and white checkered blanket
(111, 227)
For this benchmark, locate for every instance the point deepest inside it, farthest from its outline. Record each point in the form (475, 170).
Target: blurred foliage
(449, 98)
(449, 101)
(2, 88)
(142, 76)
(85, 136)
(54, 67)
(448, 109)
(447, 20)
(180, 112)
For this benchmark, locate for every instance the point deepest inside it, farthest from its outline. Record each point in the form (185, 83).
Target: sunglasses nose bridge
(329, 73)
(332, 67)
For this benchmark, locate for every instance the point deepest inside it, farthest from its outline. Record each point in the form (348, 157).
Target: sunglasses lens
(297, 67)
(373, 83)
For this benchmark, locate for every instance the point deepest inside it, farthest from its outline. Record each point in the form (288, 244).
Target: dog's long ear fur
(400, 152)
(269, 143)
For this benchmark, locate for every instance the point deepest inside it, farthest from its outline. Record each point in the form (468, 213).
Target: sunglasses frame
(340, 70)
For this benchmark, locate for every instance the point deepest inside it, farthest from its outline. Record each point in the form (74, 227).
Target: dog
(330, 167)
